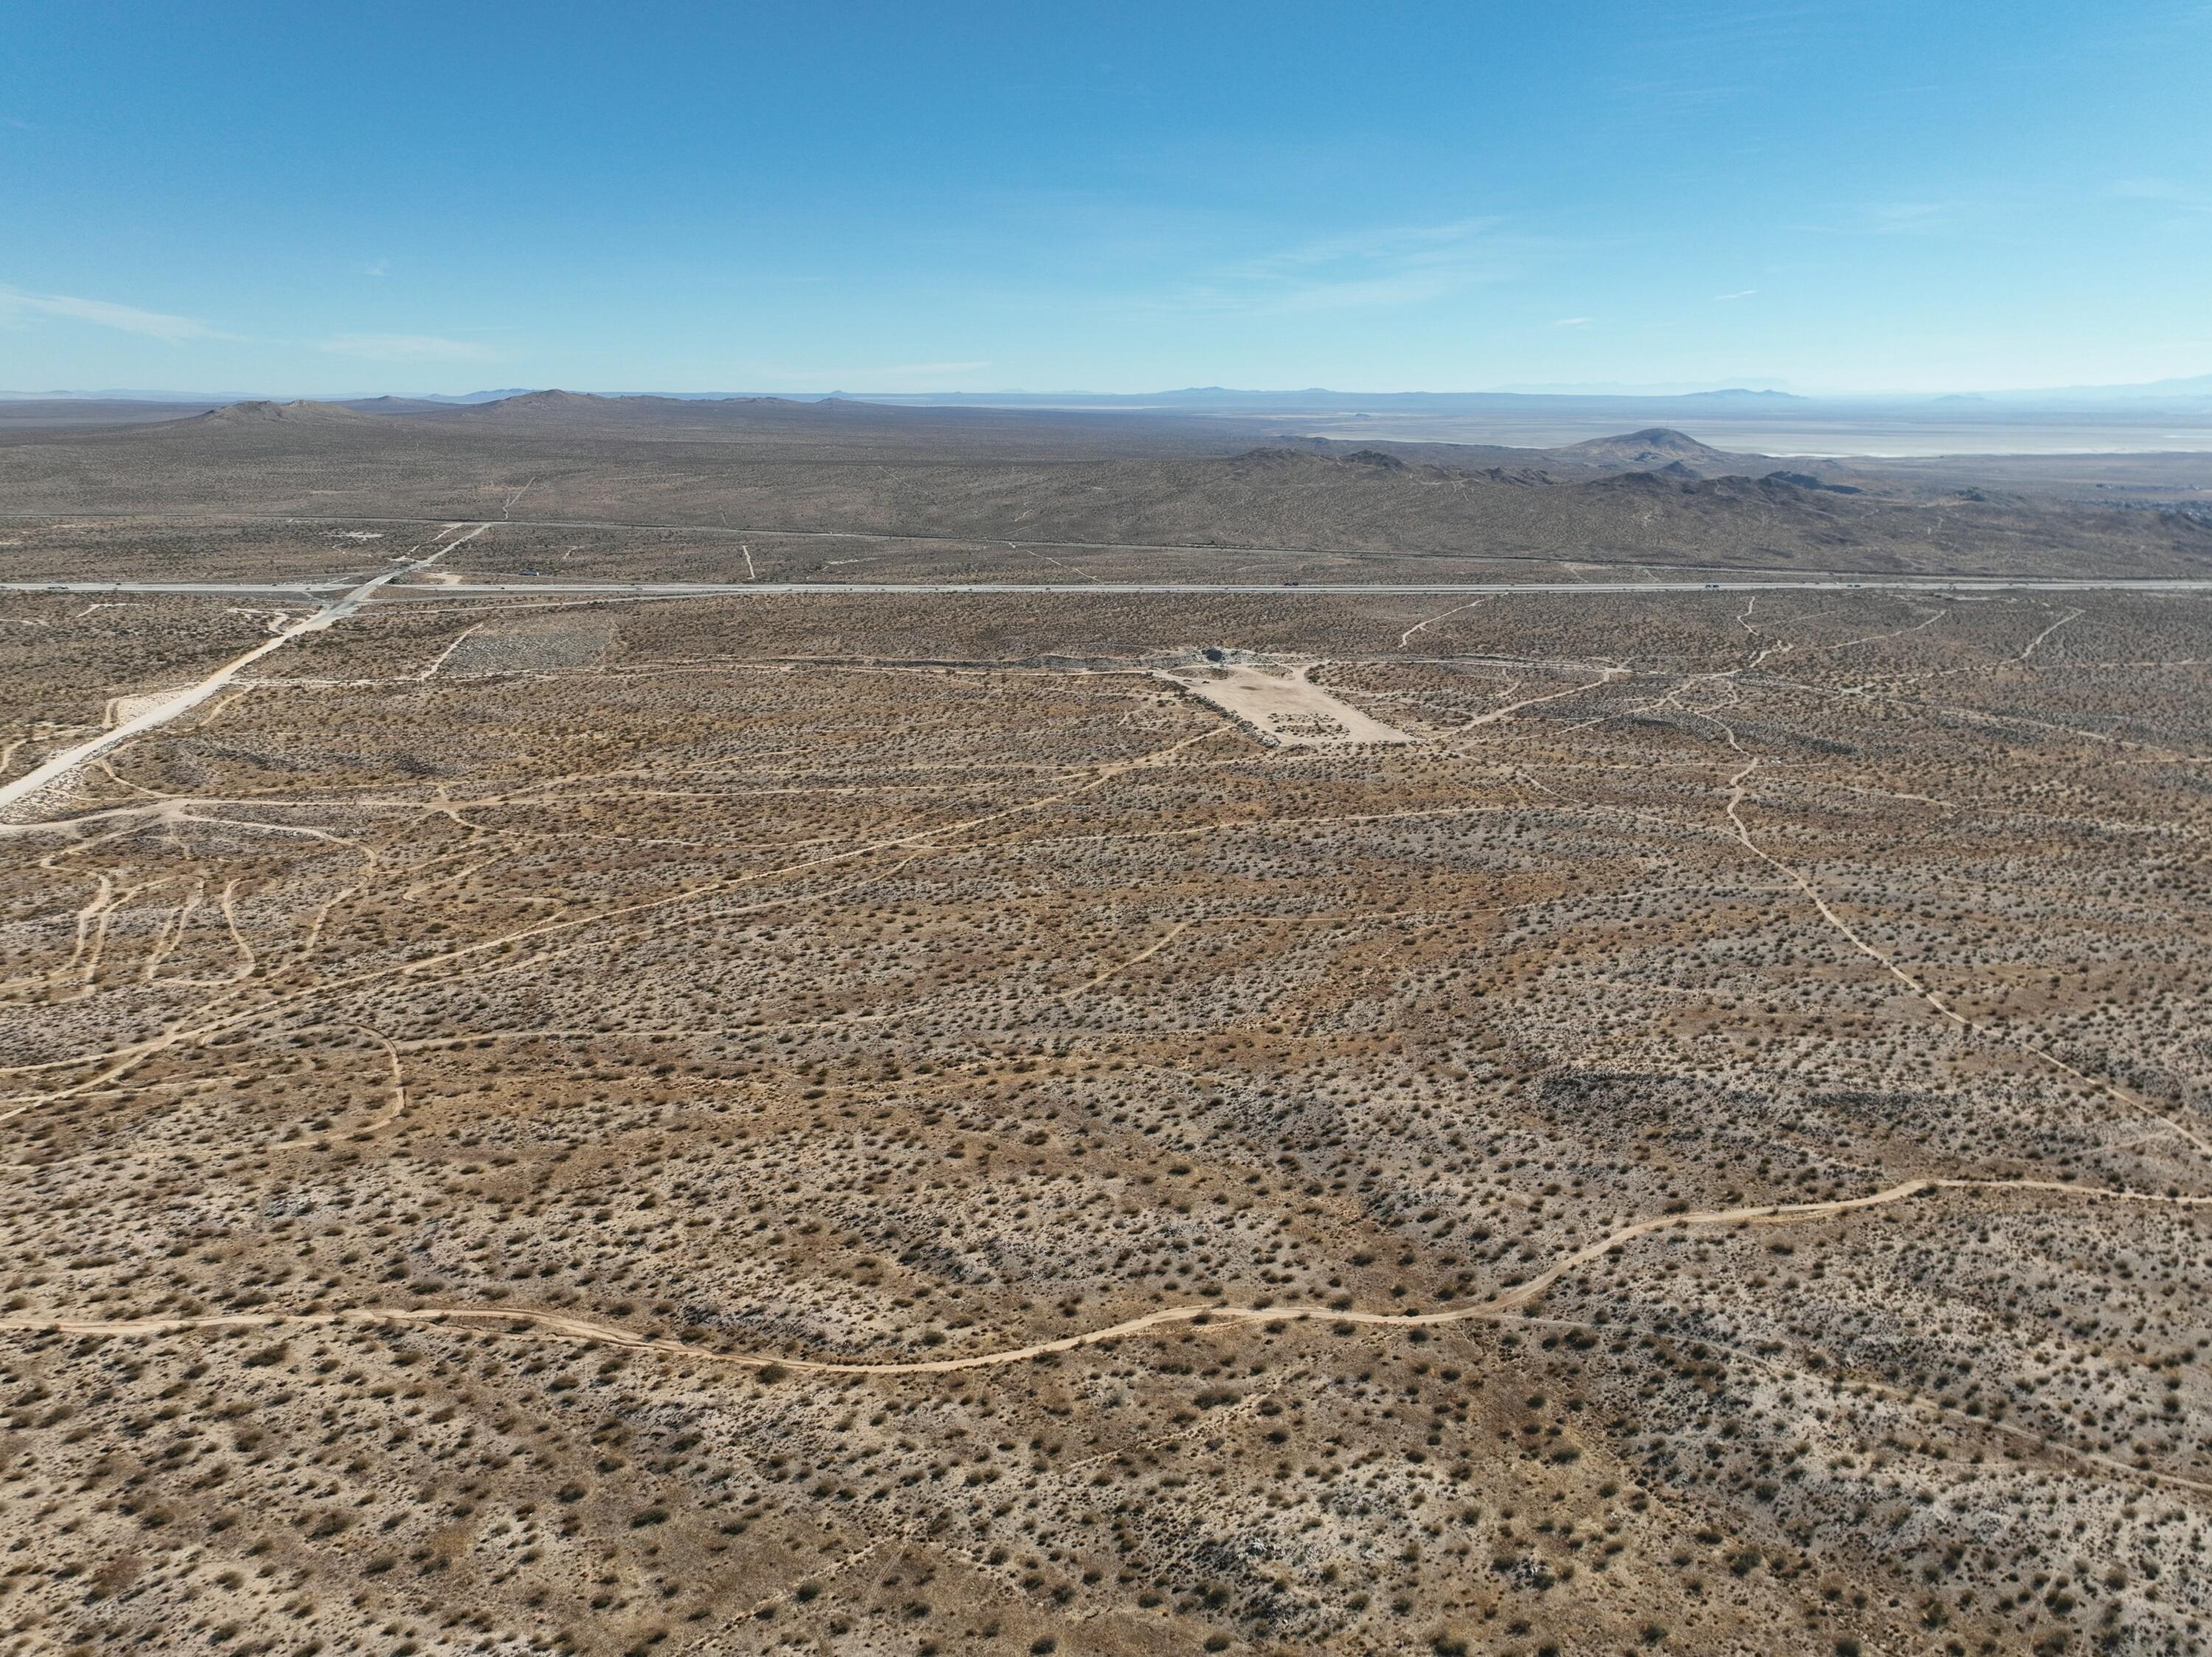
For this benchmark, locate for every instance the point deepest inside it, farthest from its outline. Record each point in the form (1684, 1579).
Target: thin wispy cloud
(1685, 93)
(1906, 218)
(406, 348)
(1390, 266)
(2166, 192)
(1693, 60)
(376, 267)
(16, 307)
(1890, 218)
(1572, 322)
(1740, 293)
(1740, 28)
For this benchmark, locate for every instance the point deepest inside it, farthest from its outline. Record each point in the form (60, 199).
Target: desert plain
(1322, 1093)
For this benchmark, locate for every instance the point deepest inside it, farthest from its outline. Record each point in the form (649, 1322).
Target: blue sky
(1830, 195)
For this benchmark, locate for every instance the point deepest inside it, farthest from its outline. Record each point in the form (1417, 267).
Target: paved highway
(163, 708)
(1384, 589)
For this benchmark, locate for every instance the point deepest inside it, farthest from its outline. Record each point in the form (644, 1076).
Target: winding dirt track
(120, 1060)
(2124, 1096)
(559, 1325)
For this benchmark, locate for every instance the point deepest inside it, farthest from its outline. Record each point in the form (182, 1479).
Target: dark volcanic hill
(268, 413)
(1654, 445)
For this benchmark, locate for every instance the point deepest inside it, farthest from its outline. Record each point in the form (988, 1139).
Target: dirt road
(161, 709)
(524, 1321)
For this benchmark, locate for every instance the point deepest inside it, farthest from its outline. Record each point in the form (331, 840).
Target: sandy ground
(121, 709)
(1287, 709)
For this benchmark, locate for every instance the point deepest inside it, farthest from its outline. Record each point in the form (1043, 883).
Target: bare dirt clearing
(1283, 705)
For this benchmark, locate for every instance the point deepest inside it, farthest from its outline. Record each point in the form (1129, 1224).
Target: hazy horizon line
(2189, 387)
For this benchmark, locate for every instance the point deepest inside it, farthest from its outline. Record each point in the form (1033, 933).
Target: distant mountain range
(2195, 386)
(1734, 399)
(218, 396)
(1222, 400)
(2192, 393)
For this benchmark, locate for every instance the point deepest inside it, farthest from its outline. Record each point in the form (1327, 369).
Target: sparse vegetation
(878, 1123)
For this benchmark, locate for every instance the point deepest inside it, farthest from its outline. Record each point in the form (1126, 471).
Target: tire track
(525, 1322)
